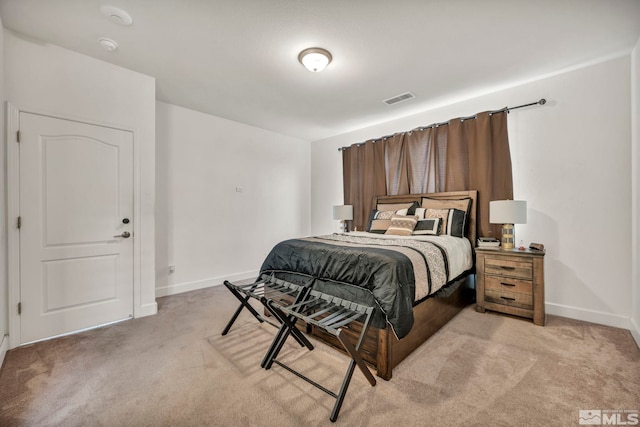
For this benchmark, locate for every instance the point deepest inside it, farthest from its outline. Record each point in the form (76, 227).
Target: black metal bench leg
(355, 356)
(356, 360)
(288, 327)
(343, 392)
(275, 347)
(297, 335)
(244, 303)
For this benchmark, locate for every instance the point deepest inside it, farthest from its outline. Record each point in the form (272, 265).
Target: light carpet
(175, 369)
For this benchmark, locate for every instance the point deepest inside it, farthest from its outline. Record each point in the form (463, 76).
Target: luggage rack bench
(264, 289)
(324, 311)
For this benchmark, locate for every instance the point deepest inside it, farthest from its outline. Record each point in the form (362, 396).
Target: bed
(417, 282)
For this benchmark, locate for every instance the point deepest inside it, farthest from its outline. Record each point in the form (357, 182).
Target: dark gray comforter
(367, 272)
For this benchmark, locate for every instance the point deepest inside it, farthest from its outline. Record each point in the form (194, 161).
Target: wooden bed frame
(380, 347)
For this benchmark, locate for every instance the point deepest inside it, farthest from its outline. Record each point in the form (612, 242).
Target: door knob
(124, 234)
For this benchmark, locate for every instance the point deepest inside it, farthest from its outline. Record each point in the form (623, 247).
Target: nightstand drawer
(512, 299)
(522, 269)
(507, 284)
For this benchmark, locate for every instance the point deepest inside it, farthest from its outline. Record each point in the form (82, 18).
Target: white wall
(635, 132)
(571, 162)
(204, 227)
(48, 79)
(4, 290)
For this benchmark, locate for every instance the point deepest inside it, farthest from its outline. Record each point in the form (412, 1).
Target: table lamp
(508, 213)
(343, 213)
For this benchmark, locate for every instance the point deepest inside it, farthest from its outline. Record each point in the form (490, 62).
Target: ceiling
(237, 59)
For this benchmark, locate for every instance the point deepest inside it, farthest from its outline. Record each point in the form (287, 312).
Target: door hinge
(18, 136)
(19, 308)
(19, 222)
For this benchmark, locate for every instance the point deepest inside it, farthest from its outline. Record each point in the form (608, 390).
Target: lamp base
(343, 223)
(508, 236)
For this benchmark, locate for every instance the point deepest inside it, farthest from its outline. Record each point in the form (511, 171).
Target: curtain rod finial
(542, 101)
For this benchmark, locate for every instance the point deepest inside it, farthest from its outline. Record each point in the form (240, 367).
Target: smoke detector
(108, 44)
(116, 14)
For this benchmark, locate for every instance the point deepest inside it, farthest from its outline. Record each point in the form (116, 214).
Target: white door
(76, 234)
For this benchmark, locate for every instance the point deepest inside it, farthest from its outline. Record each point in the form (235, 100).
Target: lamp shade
(343, 212)
(508, 212)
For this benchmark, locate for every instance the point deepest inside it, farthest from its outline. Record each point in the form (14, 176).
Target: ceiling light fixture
(315, 59)
(108, 44)
(116, 14)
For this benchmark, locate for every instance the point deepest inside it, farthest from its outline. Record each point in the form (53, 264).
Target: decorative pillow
(393, 206)
(382, 216)
(412, 209)
(372, 216)
(463, 204)
(456, 223)
(427, 227)
(420, 213)
(443, 214)
(402, 225)
(385, 214)
(379, 226)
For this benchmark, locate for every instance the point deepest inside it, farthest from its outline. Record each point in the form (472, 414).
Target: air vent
(399, 98)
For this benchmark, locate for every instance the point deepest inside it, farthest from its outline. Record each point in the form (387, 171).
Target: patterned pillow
(384, 218)
(402, 225)
(427, 227)
(463, 204)
(443, 214)
(386, 214)
(393, 206)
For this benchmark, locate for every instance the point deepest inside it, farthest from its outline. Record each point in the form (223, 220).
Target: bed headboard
(451, 195)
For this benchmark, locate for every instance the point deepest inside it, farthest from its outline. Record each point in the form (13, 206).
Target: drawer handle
(508, 299)
(504, 267)
(507, 284)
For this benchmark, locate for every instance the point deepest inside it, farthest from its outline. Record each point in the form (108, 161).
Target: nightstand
(511, 281)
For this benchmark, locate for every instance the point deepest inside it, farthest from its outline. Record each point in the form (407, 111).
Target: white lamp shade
(508, 212)
(343, 212)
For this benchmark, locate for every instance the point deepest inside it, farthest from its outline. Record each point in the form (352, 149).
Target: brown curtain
(478, 158)
(471, 154)
(425, 156)
(395, 158)
(363, 169)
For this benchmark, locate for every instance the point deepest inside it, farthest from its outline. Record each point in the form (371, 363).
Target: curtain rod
(542, 101)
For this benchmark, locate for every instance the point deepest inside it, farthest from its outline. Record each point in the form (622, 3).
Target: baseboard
(593, 316)
(635, 331)
(146, 310)
(205, 283)
(4, 347)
